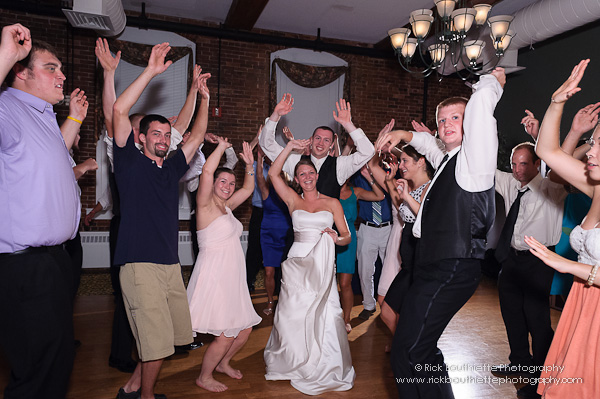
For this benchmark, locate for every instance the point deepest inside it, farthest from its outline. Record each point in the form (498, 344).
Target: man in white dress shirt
(524, 281)
(452, 223)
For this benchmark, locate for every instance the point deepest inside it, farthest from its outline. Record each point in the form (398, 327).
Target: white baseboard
(96, 249)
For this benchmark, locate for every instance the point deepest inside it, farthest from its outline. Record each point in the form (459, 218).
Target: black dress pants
(122, 337)
(437, 293)
(36, 309)
(254, 258)
(524, 288)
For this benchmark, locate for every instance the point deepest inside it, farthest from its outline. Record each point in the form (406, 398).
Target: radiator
(96, 250)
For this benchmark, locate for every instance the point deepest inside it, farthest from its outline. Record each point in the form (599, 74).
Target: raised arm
(185, 115)
(387, 141)
(121, 108)
(404, 192)
(78, 107)
(585, 120)
(271, 148)
(15, 45)
(109, 96)
(200, 124)
(547, 147)
(421, 127)
(86, 166)
(205, 187)
(254, 141)
(260, 177)
(376, 194)
(247, 188)
(477, 160)
(350, 164)
(285, 192)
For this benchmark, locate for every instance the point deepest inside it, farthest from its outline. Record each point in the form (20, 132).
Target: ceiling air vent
(106, 17)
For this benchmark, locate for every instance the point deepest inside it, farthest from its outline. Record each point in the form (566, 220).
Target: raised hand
(390, 174)
(366, 173)
(223, 142)
(298, 145)
(246, 154)
(201, 84)
(344, 112)
(16, 43)
(156, 63)
(284, 106)
(387, 141)
(287, 133)
(421, 127)
(108, 62)
(78, 106)
(531, 124)
(500, 75)
(387, 128)
(585, 119)
(571, 85)
(211, 138)
(403, 189)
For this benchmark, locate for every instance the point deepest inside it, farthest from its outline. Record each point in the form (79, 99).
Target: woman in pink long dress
(220, 303)
(570, 370)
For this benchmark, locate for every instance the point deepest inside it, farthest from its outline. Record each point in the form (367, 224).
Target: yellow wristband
(73, 119)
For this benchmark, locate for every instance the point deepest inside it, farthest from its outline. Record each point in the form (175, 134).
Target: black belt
(527, 252)
(32, 250)
(377, 225)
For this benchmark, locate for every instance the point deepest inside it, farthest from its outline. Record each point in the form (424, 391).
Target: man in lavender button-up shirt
(39, 211)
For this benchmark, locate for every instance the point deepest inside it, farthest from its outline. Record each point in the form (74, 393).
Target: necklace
(318, 194)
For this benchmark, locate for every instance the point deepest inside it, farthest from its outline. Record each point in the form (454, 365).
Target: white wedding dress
(309, 344)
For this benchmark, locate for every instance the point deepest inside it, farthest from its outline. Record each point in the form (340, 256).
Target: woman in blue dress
(275, 231)
(346, 256)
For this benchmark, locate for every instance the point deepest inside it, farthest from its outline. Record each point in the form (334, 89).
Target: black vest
(327, 183)
(454, 222)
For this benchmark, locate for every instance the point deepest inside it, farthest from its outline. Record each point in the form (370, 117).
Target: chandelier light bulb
(437, 52)
(473, 49)
(482, 12)
(445, 7)
(398, 37)
(463, 19)
(408, 50)
(420, 25)
(499, 25)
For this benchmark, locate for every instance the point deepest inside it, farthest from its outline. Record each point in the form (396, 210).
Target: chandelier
(448, 44)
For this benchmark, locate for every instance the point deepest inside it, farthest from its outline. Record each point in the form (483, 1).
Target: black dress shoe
(128, 395)
(365, 314)
(528, 392)
(136, 394)
(127, 366)
(511, 369)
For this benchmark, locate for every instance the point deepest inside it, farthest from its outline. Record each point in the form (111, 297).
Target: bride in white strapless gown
(309, 344)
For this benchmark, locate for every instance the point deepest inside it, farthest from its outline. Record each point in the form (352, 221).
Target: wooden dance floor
(475, 339)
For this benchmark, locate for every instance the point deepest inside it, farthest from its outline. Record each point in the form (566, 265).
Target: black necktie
(441, 164)
(509, 226)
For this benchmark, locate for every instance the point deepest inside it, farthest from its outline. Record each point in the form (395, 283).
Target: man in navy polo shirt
(147, 246)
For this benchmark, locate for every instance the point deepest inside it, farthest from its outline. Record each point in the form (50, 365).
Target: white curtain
(313, 107)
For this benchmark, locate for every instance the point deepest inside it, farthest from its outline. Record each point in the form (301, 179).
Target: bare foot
(230, 371)
(210, 384)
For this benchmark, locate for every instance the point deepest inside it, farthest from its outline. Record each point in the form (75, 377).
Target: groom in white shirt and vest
(452, 223)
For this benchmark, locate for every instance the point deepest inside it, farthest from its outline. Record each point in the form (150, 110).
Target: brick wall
(380, 89)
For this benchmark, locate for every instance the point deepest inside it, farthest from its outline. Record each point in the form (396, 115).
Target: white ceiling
(364, 21)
